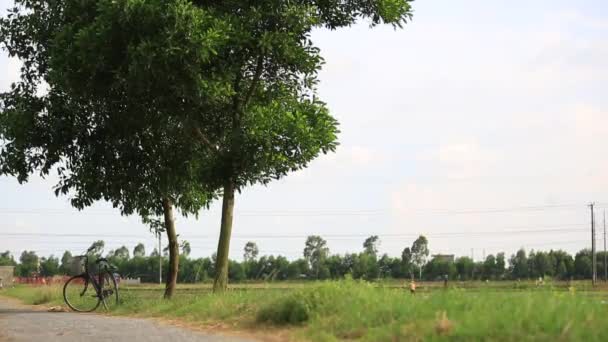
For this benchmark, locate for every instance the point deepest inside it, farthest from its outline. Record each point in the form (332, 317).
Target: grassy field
(351, 310)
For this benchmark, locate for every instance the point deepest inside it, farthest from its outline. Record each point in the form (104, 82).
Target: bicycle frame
(97, 284)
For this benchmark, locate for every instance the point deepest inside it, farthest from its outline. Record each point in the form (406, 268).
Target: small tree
(185, 246)
(120, 253)
(29, 263)
(139, 251)
(49, 266)
(370, 245)
(251, 251)
(420, 252)
(96, 248)
(6, 259)
(315, 252)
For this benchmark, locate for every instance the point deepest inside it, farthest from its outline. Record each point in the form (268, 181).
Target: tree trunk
(223, 247)
(173, 249)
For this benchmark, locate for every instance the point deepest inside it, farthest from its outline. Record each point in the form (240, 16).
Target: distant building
(444, 257)
(6, 275)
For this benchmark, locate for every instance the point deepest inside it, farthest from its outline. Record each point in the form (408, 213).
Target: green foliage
(420, 252)
(49, 266)
(251, 251)
(96, 248)
(139, 250)
(370, 245)
(6, 259)
(315, 252)
(28, 264)
(291, 310)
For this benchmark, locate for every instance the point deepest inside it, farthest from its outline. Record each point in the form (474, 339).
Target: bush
(285, 311)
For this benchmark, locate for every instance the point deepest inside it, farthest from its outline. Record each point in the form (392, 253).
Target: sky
(482, 125)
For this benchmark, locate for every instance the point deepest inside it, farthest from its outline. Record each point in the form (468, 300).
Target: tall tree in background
(29, 263)
(49, 266)
(120, 253)
(186, 249)
(66, 259)
(406, 261)
(139, 250)
(315, 252)
(250, 251)
(6, 259)
(96, 248)
(519, 264)
(370, 245)
(420, 252)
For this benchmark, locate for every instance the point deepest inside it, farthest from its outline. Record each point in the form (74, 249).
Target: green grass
(351, 310)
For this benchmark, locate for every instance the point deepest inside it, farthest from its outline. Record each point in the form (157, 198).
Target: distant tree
(406, 261)
(315, 252)
(465, 267)
(49, 266)
(519, 265)
(385, 266)
(139, 250)
(251, 251)
(97, 248)
(583, 264)
(66, 260)
(563, 264)
(437, 268)
(542, 264)
(6, 259)
(365, 267)
(370, 245)
(28, 263)
(562, 270)
(185, 245)
(499, 270)
(420, 252)
(489, 267)
(120, 253)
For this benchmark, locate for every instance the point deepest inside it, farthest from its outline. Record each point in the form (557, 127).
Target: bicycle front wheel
(80, 294)
(109, 290)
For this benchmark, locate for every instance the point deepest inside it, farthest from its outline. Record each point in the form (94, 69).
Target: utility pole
(593, 258)
(605, 256)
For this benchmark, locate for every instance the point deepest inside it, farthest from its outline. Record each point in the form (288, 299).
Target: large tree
(155, 105)
(91, 106)
(271, 122)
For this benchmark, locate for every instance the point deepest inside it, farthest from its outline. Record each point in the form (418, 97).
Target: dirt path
(24, 323)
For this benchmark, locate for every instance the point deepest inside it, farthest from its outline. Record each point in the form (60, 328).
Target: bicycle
(86, 291)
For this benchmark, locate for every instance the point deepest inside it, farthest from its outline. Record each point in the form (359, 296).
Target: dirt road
(24, 323)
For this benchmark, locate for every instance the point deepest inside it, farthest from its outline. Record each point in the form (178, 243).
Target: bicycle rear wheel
(80, 294)
(109, 291)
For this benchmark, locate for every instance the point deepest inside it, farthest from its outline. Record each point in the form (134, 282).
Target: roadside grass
(353, 310)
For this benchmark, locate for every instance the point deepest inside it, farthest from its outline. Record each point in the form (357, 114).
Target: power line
(328, 236)
(323, 212)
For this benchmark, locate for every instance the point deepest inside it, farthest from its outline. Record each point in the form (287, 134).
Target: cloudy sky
(482, 125)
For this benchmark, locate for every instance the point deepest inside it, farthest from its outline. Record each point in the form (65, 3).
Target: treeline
(318, 263)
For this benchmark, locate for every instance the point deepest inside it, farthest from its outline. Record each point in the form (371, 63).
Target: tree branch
(256, 78)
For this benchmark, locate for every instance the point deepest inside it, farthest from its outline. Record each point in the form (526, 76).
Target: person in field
(412, 287)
